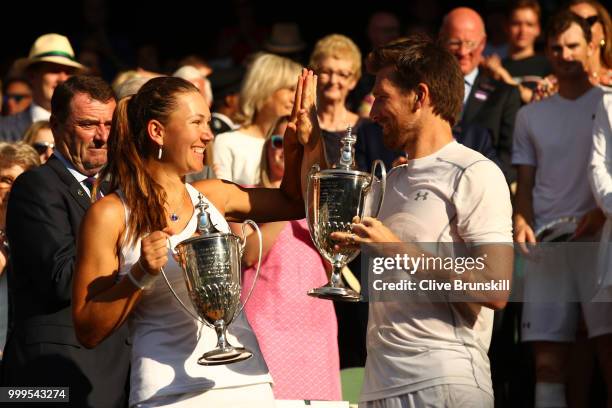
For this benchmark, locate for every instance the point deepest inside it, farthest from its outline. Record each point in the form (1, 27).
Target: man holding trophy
(426, 353)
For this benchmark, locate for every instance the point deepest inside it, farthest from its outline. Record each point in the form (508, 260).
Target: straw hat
(285, 38)
(53, 48)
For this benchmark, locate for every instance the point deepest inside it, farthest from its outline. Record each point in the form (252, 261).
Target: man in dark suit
(488, 103)
(45, 209)
(51, 62)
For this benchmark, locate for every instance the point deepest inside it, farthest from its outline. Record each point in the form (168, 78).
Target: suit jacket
(493, 105)
(45, 209)
(13, 127)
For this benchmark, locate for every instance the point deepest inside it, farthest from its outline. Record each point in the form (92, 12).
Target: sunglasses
(16, 97)
(276, 141)
(591, 20)
(41, 147)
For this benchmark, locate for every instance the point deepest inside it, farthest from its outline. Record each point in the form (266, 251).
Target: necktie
(89, 183)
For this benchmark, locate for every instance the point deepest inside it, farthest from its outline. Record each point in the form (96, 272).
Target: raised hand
(304, 124)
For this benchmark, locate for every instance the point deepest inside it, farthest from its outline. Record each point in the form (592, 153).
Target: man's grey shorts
(439, 396)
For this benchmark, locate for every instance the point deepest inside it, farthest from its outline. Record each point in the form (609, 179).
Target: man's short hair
(93, 86)
(533, 5)
(418, 59)
(561, 21)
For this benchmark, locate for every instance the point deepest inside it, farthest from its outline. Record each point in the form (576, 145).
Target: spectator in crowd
(337, 62)
(285, 41)
(193, 75)
(14, 160)
(383, 27)
(159, 136)
(430, 352)
(40, 137)
(522, 68)
(600, 63)
(548, 189)
(48, 203)
(293, 330)
(266, 95)
(226, 90)
(50, 62)
(486, 102)
(17, 94)
(198, 63)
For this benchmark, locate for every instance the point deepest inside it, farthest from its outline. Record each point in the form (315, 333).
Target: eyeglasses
(591, 20)
(41, 147)
(16, 97)
(327, 74)
(276, 141)
(455, 44)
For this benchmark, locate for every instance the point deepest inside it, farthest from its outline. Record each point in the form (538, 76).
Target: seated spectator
(266, 95)
(522, 68)
(17, 96)
(50, 62)
(40, 137)
(14, 160)
(337, 61)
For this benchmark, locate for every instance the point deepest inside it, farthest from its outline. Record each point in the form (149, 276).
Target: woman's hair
(264, 165)
(606, 23)
(33, 130)
(20, 154)
(129, 145)
(336, 46)
(265, 75)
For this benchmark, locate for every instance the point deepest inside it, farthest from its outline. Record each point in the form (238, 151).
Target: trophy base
(219, 357)
(334, 293)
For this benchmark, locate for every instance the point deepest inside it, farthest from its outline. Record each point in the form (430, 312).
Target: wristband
(147, 279)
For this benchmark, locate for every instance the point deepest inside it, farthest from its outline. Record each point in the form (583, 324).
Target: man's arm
(523, 206)
(41, 237)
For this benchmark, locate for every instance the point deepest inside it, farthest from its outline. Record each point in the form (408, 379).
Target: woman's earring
(159, 152)
(602, 43)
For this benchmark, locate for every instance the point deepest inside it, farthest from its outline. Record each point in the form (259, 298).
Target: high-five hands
(304, 125)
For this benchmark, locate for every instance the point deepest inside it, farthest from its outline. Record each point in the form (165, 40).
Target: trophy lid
(205, 225)
(347, 151)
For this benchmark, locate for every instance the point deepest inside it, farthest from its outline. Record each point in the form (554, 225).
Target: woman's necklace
(174, 216)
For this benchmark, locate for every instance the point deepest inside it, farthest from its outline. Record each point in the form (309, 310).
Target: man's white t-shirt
(453, 195)
(555, 135)
(237, 157)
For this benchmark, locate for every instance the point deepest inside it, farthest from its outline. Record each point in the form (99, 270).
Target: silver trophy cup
(334, 197)
(211, 264)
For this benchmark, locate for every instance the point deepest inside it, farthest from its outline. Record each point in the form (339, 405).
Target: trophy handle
(189, 312)
(313, 170)
(383, 182)
(242, 245)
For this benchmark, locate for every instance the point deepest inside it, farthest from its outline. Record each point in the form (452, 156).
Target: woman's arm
(600, 174)
(100, 305)
(269, 233)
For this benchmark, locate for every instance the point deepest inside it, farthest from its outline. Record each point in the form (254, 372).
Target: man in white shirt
(552, 145)
(431, 353)
(51, 62)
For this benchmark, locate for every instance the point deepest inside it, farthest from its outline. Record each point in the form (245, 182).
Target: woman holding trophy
(158, 136)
